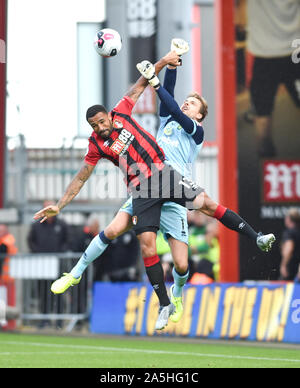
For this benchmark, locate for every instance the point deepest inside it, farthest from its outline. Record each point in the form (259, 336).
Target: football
(107, 42)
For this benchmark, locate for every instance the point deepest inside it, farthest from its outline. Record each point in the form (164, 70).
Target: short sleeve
(92, 156)
(124, 106)
(287, 235)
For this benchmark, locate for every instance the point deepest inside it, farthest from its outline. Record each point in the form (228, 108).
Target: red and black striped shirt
(129, 146)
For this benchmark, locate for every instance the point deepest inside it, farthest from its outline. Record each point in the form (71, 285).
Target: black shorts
(268, 74)
(167, 185)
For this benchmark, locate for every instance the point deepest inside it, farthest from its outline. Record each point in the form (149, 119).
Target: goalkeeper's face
(191, 107)
(101, 124)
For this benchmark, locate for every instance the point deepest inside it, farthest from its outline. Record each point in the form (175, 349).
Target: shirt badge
(118, 124)
(168, 130)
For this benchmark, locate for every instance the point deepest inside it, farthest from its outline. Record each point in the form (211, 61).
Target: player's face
(101, 124)
(191, 107)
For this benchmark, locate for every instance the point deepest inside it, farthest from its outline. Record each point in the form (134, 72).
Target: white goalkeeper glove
(147, 70)
(180, 46)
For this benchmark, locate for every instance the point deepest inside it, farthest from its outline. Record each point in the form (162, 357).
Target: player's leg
(153, 265)
(146, 219)
(155, 275)
(195, 197)
(233, 221)
(119, 225)
(180, 274)
(173, 224)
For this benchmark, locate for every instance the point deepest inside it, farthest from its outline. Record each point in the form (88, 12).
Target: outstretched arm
(181, 47)
(138, 88)
(72, 190)
(169, 85)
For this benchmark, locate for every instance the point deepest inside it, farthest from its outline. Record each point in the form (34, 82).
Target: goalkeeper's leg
(180, 274)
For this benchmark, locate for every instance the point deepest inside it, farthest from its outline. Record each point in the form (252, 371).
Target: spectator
(51, 236)
(204, 247)
(7, 247)
(126, 255)
(120, 261)
(198, 246)
(213, 254)
(83, 239)
(290, 247)
(272, 27)
(79, 244)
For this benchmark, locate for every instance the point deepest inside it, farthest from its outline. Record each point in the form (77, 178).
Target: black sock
(155, 275)
(234, 222)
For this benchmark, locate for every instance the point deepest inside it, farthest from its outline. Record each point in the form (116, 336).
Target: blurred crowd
(121, 260)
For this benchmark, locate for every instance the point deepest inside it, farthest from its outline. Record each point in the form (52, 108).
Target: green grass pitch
(47, 351)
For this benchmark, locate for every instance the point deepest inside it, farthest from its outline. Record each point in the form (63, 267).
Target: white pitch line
(96, 349)
(50, 353)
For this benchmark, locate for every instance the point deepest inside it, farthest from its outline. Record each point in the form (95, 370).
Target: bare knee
(179, 251)
(112, 232)
(119, 225)
(181, 267)
(199, 201)
(148, 244)
(208, 205)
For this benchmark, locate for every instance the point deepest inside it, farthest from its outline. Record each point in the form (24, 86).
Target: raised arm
(138, 88)
(72, 190)
(169, 85)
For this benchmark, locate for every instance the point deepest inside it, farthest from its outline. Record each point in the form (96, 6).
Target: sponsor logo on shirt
(117, 146)
(123, 141)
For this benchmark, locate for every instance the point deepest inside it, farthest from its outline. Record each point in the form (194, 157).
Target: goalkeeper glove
(180, 46)
(147, 70)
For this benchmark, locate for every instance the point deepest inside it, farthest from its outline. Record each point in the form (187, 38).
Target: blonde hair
(204, 106)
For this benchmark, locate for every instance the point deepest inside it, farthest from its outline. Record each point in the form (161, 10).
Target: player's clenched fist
(180, 46)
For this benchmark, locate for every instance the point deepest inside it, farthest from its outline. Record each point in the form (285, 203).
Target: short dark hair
(93, 110)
